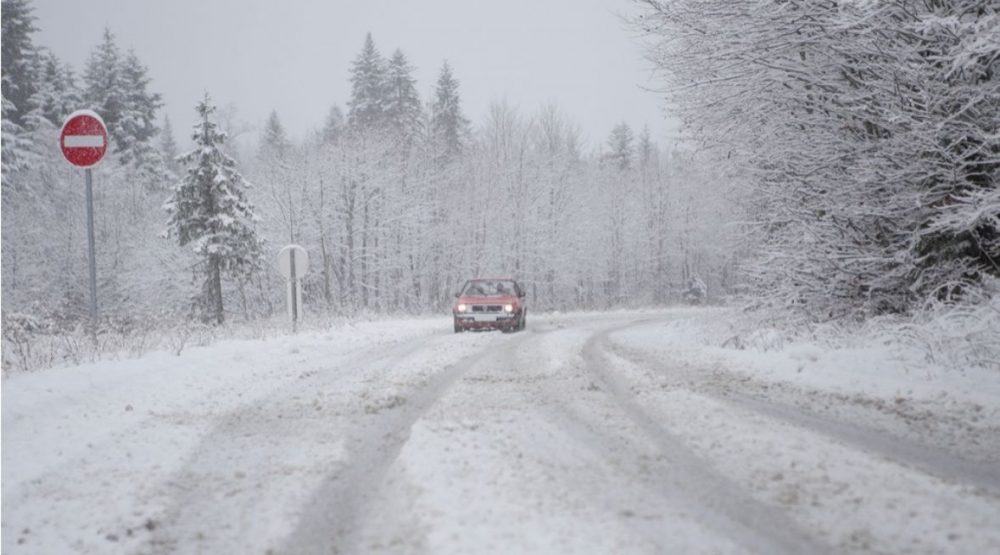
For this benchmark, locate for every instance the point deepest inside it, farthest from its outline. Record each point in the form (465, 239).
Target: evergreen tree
(209, 209)
(274, 144)
(15, 35)
(56, 94)
(117, 88)
(103, 88)
(334, 126)
(620, 142)
(168, 146)
(402, 108)
(366, 109)
(448, 125)
(646, 149)
(138, 115)
(16, 147)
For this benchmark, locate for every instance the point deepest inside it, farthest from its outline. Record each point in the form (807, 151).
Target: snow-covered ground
(622, 432)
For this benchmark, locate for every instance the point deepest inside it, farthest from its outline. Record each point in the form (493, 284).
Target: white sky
(294, 55)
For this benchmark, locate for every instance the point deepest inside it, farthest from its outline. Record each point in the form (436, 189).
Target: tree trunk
(215, 286)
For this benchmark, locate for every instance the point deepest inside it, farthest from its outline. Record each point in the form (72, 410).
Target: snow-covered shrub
(20, 335)
(958, 336)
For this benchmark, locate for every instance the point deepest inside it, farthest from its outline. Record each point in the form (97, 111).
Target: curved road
(558, 439)
(579, 435)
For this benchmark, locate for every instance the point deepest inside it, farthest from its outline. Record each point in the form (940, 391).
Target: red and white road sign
(84, 138)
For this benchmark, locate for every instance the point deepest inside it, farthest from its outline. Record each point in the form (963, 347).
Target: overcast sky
(293, 56)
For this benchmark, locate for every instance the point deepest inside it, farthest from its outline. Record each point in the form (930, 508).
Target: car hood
(508, 299)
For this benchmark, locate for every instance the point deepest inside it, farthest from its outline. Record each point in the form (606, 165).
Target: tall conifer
(209, 210)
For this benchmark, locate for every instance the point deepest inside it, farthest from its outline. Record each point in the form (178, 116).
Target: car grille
(487, 308)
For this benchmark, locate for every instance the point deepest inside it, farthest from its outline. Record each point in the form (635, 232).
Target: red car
(490, 304)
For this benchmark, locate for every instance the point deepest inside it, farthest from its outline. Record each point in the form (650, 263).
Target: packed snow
(628, 431)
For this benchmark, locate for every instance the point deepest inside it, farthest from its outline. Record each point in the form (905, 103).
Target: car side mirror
(457, 295)
(521, 294)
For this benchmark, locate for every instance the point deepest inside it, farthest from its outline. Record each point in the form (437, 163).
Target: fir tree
(103, 89)
(448, 125)
(56, 94)
(15, 35)
(366, 109)
(620, 142)
(646, 148)
(274, 144)
(209, 209)
(168, 146)
(138, 115)
(16, 147)
(334, 126)
(403, 112)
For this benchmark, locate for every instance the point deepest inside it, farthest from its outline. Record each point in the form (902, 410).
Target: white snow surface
(621, 432)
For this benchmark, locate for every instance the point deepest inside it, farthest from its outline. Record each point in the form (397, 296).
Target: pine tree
(138, 115)
(274, 144)
(334, 126)
(16, 150)
(18, 80)
(403, 112)
(168, 146)
(209, 209)
(366, 109)
(620, 142)
(448, 125)
(56, 94)
(103, 88)
(646, 148)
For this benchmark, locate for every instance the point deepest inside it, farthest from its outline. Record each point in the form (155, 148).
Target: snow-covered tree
(449, 127)
(56, 95)
(403, 112)
(366, 109)
(138, 115)
(18, 85)
(865, 133)
(16, 147)
(278, 171)
(104, 90)
(209, 210)
(168, 146)
(620, 145)
(274, 144)
(18, 24)
(333, 127)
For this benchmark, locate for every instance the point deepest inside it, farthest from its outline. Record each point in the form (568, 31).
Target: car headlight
(462, 308)
(508, 307)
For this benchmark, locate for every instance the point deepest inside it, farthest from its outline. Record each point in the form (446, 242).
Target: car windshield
(489, 288)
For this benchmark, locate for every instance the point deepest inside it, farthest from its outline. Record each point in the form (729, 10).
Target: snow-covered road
(587, 433)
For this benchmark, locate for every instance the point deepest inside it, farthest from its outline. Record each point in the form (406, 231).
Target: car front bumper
(485, 321)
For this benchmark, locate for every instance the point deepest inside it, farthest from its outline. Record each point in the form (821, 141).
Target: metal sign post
(293, 263)
(91, 250)
(293, 282)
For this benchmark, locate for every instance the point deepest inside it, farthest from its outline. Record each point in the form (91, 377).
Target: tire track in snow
(333, 520)
(264, 431)
(720, 502)
(928, 459)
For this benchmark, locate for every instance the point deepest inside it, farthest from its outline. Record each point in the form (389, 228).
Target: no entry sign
(84, 138)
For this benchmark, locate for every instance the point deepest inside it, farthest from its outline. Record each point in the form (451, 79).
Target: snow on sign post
(293, 263)
(84, 141)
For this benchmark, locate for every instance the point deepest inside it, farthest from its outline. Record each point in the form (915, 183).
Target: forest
(397, 198)
(840, 163)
